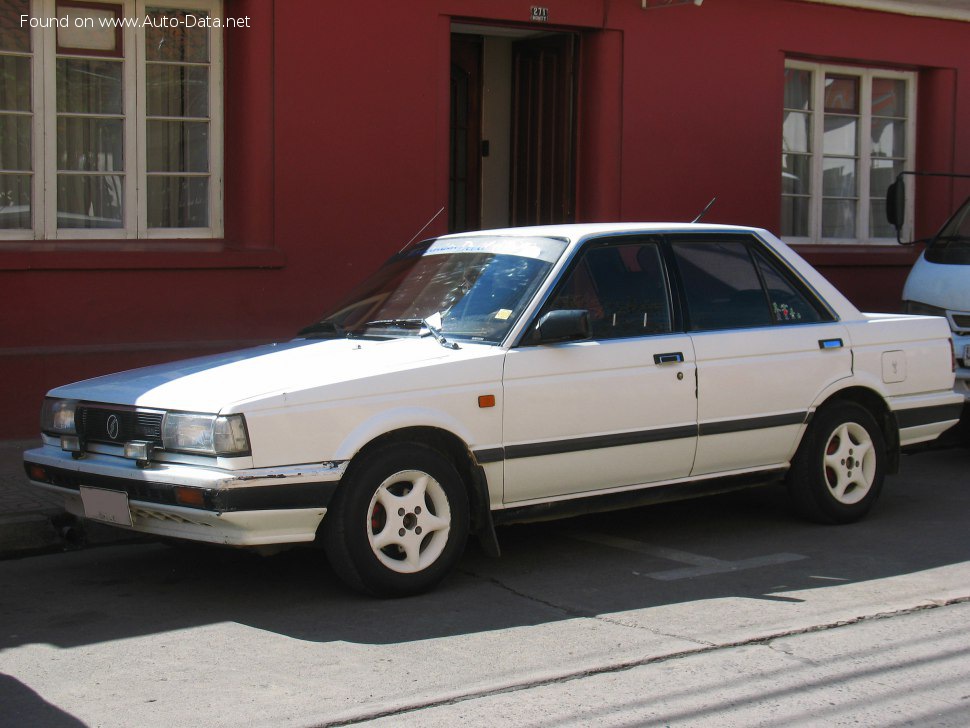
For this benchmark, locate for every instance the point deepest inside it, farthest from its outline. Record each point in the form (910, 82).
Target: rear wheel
(399, 522)
(838, 472)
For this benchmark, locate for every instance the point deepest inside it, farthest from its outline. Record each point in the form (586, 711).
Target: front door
(616, 410)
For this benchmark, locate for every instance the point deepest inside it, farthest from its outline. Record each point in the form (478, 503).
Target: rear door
(765, 348)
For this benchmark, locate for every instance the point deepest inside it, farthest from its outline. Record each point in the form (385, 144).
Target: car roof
(578, 231)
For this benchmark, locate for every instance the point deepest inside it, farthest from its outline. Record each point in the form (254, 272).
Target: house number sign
(539, 14)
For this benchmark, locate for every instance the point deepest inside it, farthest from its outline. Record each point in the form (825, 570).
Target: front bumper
(252, 507)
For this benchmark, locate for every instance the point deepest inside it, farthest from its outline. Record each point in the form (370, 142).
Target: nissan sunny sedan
(506, 376)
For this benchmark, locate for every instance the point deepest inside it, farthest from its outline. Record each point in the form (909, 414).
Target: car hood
(936, 284)
(220, 382)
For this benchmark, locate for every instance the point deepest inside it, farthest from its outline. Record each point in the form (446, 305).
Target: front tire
(838, 472)
(398, 523)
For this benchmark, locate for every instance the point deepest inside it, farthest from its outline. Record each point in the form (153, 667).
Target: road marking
(698, 565)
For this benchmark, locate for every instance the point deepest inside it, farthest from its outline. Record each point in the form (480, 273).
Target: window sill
(133, 255)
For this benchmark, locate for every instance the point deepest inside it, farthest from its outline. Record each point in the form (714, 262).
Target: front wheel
(837, 474)
(398, 523)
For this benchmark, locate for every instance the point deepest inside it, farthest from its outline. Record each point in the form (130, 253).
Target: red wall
(336, 155)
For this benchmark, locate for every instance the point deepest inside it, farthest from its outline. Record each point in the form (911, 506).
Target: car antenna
(433, 217)
(704, 211)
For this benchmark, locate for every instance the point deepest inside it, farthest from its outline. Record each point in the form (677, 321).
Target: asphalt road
(721, 611)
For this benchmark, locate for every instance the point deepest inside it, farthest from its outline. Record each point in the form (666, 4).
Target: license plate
(110, 506)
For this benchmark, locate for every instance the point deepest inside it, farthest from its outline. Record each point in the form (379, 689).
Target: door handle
(673, 357)
(830, 343)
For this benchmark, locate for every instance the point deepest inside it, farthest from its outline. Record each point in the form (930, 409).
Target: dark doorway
(512, 127)
(543, 130)
(464, 198)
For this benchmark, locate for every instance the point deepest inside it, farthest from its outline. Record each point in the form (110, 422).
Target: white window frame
(865, 75)
(44, 130)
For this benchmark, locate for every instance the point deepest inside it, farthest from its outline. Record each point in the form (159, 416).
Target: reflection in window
(90, 127)
(16, 120)
(177, 101)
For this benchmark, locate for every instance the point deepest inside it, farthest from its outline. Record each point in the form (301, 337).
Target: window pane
(14, 83)
(796, 170)
(178, 146)
(888, 97)
(838, 218)
(879, 226)
(624, 289)
(90, 145)
(176, 202)
(15, 201)
(888, 138)
(175, 90)
(841, 135)
(89, 201)
(788, 304)
(13, 37)
(723, 289)
(15, 153)
(798, 89)
(176, 35)
(882, 174)
(88, 87)
(842, 94)
(838, 177)
(797, 132)
(794, 217)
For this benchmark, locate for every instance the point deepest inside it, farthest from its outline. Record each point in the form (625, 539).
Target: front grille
(961, 321)
(95, 424)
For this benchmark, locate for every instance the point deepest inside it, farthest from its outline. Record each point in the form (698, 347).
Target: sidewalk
(33, 520)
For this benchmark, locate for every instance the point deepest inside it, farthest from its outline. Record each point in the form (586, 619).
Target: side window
(788, 304)
(722, 285)
(623, 287)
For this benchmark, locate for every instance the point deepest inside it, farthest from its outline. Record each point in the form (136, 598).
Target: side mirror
(896, 204)
(566, 325)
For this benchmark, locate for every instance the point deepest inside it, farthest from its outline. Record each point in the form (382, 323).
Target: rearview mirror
(565, 325)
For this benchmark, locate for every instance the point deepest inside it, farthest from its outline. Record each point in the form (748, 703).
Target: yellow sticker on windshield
(503, 314)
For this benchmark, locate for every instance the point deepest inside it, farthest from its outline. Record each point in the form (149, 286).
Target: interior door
(616, 410)
(465, 176)
(543, 130)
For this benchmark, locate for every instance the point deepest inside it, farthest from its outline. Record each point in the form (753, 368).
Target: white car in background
(939, 285)
(506, 376)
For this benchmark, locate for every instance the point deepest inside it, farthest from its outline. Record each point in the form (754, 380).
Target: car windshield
(951, 246)
(468, 288)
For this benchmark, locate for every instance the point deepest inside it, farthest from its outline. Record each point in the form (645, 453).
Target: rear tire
(398, 523)
(838, 472)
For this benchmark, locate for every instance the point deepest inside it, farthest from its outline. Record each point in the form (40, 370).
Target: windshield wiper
(327, 326)
(407, 323)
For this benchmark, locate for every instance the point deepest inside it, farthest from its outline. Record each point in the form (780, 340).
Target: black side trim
(927, 415)
(491, 455)
(647, 495)
(280, 496)
(753, 423)
(641, 437)
(597, 442)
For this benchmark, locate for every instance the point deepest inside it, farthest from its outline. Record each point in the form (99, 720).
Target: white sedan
(505, 376)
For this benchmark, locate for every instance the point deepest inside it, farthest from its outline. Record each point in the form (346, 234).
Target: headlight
(205, 434)
(57, 416)
(924, 309)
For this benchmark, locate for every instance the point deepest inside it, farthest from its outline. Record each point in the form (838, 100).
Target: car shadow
(588, 566)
